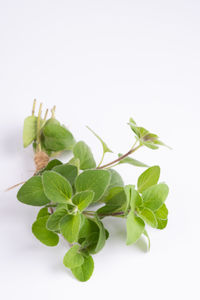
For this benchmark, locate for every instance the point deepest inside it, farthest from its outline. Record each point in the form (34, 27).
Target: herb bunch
(68, 192)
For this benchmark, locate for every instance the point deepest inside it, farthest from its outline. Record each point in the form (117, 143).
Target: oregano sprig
(66, 192)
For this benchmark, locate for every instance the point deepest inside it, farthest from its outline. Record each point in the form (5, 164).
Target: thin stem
(33, 109)
(102, 158)
(53, 112)
(45, 116)
(120, 158)
(38, 128)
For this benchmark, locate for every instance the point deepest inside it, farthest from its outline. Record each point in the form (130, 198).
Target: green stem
(120, 158)
(33, 109)
(102, 158)
(38, 128)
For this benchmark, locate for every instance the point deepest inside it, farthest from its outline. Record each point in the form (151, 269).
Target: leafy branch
(66, 192)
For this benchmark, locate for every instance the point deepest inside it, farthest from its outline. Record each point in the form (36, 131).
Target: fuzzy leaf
(70, 226)
(32, 192)
(148, 178)
(56, 187)
(30, 130)
(72, 258)
(131, 161)
(149, 217)
(44, 235)
(135, 227)
(53, 222)
(93, 180)
(84, 154)
(83, 199)
(155, 196)
(68, 171)
(84, 272)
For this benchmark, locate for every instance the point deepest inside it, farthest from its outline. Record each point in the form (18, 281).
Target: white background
(101, 62)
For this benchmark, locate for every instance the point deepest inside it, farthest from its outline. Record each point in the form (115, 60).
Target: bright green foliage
(155, 196)
(57, 137)
(83, 199)
(76, 196)
(72, 258)
(68, 171)
(56, 187)
(30, 130)
(32, 192)
(148, 178)
(105, 147)
(131, 161)
(93, 180)
(70, 226)
(85, 156)
(135, 228)
(53, 222)
(44, 235)
(84, 272)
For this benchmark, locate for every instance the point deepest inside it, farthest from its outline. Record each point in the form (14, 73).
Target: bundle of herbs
(67, 192)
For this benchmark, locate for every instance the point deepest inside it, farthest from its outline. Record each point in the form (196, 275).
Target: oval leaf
(148, 178)
(72, 258)
(84, 272)
(85, 156)
(44, 235)
(70, 226)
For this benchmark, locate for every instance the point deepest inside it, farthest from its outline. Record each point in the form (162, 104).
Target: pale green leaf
(155, 196)
(93, 180)
(84, 272)
(70, 226)
(29, 130)
(72, 258)
(131, 161)
(149, 217)
(68, 171)
(105, 147)
(135, 227)
(44, 235)
(84, 154)
(148, 178)
(53, 222)
(32, 192)
(43, 212)
(56, 187)
(83, 199)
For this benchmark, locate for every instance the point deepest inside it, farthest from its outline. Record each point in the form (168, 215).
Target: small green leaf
(84, 272)
(161, 223)
(53, 222)
(57, 137)
(149, 217)
(32, 192)
(105, 147)
(93, 180)
(72, 258)
(70, 226)
(51, 165)
(56, 187)
(84, 154)
(44, 235)
(43, 212)
(115, 179)
(131, 161)
(115, 200)
(155, 196)
(148, 178)
(83, 199)
(101, 236)
(135, 227)
(30, 130)
(75, 162)
(68, 171)
(162, 212)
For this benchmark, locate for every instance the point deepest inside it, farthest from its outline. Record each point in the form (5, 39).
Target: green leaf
(131, 161)
(70, 226)
(115, 200)
(75, 162)
(83, 199)
(149, 217)
(115, 179)
(93, 180)
(44, 235)
(57, 137)
(68, 171)
(32, 192)
(84, 272)
(133, 197)
(155, 196)
(84, 154)
(148, 178)
(72, 258)
(51, 165)
(135, 227)
(161, 216)
(53, 222)
(88, 226)
(101, 236)
(43, 212)
(161, 223)
(105, 147)
(30, 130)
(56, 187)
